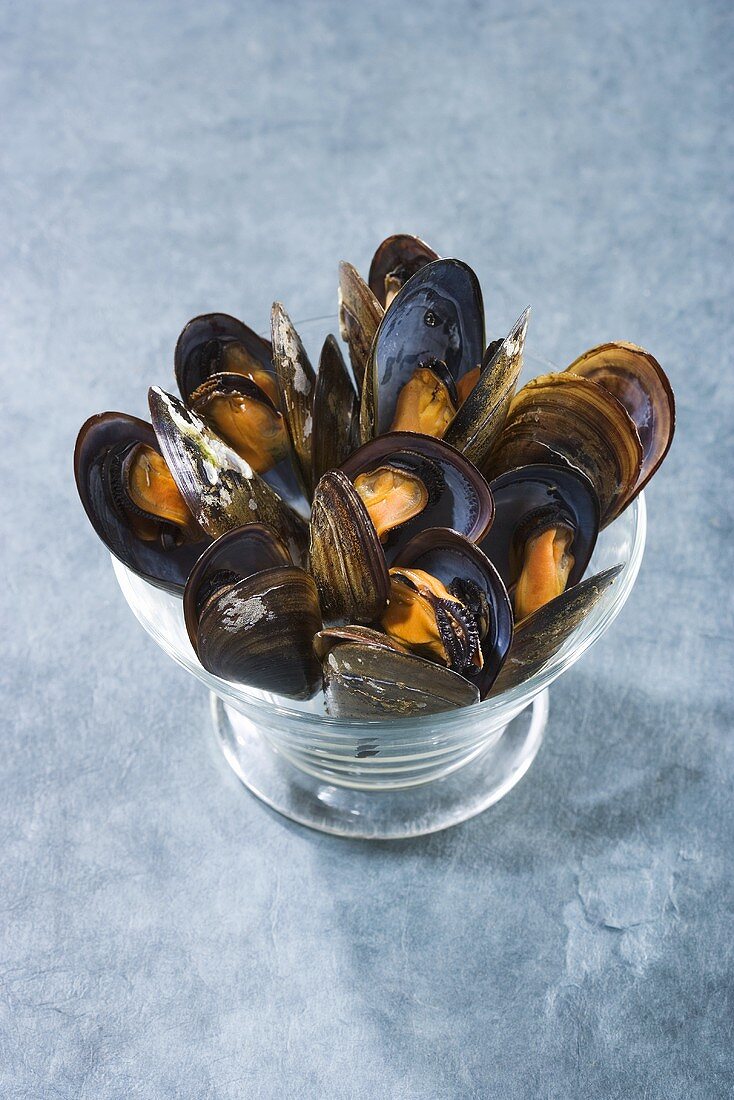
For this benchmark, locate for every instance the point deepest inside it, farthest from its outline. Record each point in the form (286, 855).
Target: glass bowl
(378, 779)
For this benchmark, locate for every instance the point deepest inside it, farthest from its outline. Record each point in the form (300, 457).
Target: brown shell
(360, 314)
(538, 637)
(347, 560)
(582, 425)
(638, 381)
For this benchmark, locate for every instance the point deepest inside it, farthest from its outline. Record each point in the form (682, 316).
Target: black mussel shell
(539, 636)
(335, 412)
(461, 498)
(639, 383)
(465, 570)
(529, 499)
(364, 680)
(216, 343)
(360, 314)
(346, 558)
(438, 315)
(396, 260)
(220, 488)
(252, 615)
(165, 561)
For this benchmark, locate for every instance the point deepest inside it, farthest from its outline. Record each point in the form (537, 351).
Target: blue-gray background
(161, 933)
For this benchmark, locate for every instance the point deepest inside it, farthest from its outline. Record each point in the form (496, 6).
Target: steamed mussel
(411, 531)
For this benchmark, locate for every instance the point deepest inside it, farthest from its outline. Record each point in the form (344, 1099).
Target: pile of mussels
(411, 534)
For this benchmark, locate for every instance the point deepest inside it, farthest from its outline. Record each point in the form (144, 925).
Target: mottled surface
(162, 934)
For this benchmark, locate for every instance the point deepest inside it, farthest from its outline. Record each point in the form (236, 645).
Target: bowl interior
(622, 543)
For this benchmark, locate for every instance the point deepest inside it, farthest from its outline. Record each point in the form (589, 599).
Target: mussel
(448, 603)
(544, 532)
(395, 261)
(251, 614)
(221, 488)
(639, 383)
(409, 482)
(370, 676)
(132, 500)
(540, 636)
(571, 421)
(430, 338)
(364, 513)
(225, 375)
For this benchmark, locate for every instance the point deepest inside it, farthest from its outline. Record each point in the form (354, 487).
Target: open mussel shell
(462, 567)
(580, 424)
(296, 382)
(395, 261)
(345, 555)
(166, 556)
(335, 412)
(538, 637)
(221, 489)
(252, 615)
(479, 421)
(438, 316)
(534, 497)
(458, 497)
(639, 383)
(216, 343)
(360, 314)
(365, 680)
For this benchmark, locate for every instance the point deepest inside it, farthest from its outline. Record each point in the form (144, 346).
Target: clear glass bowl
(387, 779)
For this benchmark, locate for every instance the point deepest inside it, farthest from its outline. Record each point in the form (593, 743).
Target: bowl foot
(380, 815)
